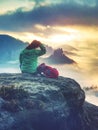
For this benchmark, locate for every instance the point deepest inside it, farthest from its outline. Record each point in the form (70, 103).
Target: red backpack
(48, 71)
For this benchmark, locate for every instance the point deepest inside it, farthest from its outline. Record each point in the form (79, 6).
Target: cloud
(88, 57)
(53, 14)
(70, 50)
(70, 53)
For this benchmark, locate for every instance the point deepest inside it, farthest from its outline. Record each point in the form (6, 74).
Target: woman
(29, 57)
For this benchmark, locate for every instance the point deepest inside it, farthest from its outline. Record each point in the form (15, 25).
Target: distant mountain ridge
(10, 48)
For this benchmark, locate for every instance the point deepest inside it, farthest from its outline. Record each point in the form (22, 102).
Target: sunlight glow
(66, 29)
(57, 38)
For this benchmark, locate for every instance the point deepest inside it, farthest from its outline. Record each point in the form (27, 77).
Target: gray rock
(1, 102)
(39, 103)
(6, 120)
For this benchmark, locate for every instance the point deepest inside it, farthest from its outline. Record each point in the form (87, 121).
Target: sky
(58, 23)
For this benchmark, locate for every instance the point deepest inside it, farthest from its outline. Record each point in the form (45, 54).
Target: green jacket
(28, 59)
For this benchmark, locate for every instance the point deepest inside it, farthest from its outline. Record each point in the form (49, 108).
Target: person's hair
(34, 44)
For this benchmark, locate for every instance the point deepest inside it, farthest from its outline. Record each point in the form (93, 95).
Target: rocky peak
(58, 57)
(38, 103)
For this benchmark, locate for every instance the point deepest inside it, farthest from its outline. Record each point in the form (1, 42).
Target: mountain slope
(10, 48)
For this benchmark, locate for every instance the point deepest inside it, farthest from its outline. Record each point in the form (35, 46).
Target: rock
(39, 103)
(6, 120)
(1, 102)
(11, 106)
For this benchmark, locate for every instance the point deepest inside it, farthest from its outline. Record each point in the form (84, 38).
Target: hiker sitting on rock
(29, 57)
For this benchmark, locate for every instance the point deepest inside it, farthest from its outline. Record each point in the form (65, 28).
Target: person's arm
(42, 51)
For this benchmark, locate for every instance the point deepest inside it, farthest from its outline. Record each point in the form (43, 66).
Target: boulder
(39, 103)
